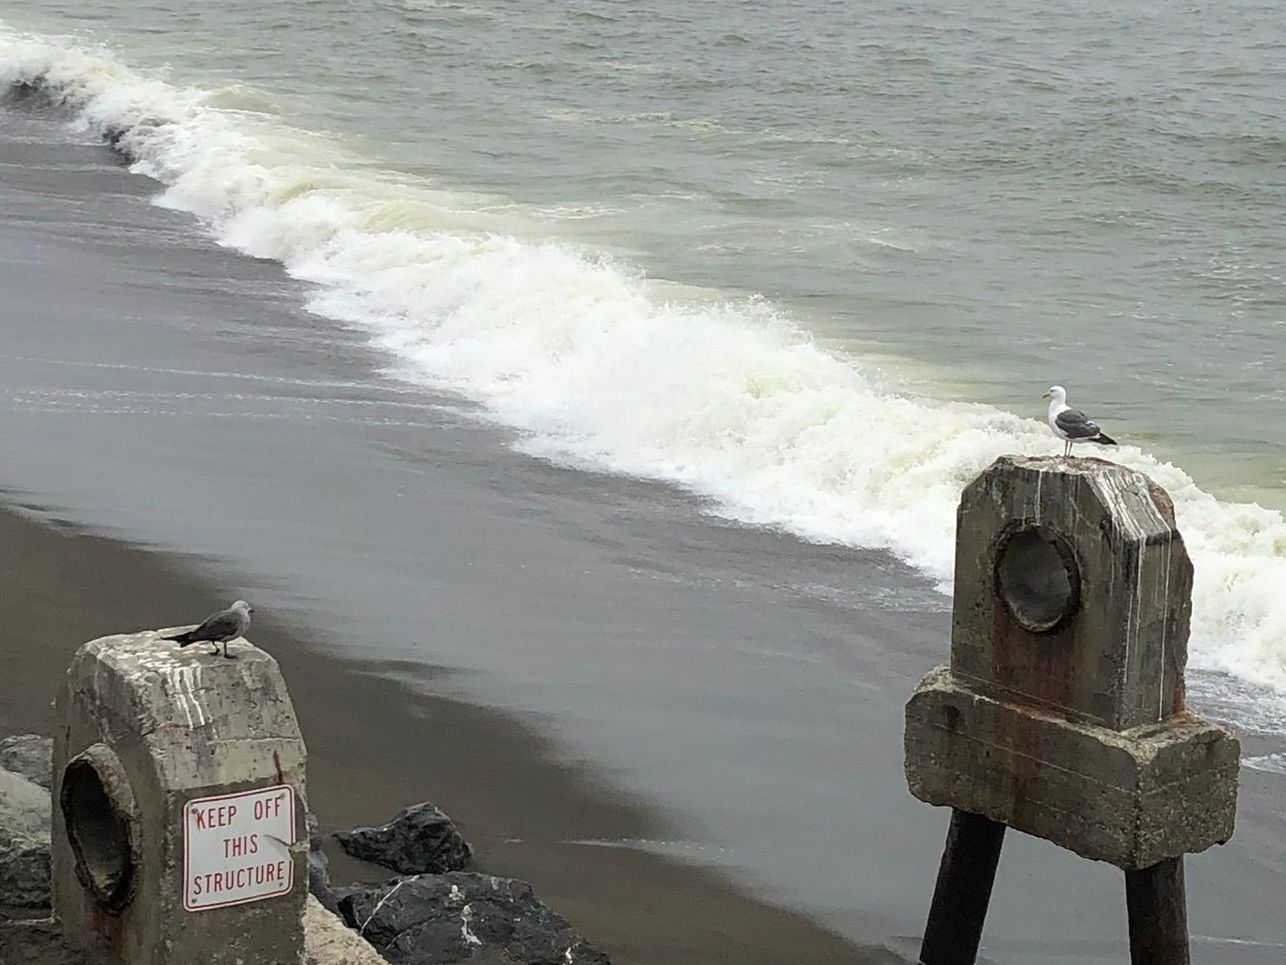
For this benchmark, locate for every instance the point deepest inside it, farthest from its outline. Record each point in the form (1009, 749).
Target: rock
(463, 917)
(39, 941)
(319, 867)
(327, 941)
(24, 842)
(419, 840)
(29, 755)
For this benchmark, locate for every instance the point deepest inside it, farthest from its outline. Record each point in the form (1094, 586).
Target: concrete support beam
(1131, 798)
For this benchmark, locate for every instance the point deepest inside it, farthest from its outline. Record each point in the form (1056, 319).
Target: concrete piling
(1062, 711)
(179, 805)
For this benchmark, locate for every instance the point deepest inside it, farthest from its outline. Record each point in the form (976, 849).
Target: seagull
(1070, 424)
(219, 628)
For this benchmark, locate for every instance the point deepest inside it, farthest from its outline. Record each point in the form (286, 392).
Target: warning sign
(236, 847)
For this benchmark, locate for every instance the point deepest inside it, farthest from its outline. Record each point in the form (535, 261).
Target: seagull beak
(1044, 395)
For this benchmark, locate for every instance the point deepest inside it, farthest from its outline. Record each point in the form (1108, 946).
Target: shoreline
(729, 698)
(522, 809)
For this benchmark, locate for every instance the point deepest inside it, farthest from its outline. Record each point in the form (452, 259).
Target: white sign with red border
(236, 847)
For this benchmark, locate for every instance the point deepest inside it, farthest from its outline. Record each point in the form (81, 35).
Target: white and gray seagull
(1070, 424)
(219, 628)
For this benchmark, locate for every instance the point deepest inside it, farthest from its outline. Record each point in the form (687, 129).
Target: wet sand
(516, 803)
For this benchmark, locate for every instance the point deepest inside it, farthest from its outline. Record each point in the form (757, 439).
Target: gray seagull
(1070, 424)
(219, 628)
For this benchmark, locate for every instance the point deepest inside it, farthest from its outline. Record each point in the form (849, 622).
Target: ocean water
(814, 262)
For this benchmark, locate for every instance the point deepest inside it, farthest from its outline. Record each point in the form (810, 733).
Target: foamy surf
(597, 366)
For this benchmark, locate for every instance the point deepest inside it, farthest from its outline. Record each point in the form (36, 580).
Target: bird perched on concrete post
(219, 628)
(1070, 424)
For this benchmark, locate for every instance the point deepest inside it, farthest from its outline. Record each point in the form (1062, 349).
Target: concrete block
(1131, 798)
(1072, 590)
(179, 820)
(1062, 712)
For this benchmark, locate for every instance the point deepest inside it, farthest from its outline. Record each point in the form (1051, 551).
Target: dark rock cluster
(463, 917)
(419, 840)
(439, 913)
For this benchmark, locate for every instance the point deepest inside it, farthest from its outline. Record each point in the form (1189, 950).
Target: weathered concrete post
(1062, 713)
(179, 808)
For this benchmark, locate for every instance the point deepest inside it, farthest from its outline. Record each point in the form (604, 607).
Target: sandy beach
(685, 733)
(516, 803)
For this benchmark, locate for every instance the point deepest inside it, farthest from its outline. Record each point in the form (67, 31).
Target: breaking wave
(597, 366)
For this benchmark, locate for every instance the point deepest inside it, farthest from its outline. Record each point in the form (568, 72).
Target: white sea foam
(598, 366)
(1268, 763)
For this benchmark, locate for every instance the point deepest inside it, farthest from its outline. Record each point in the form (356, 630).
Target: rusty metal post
(1062, 712)
(963, 891)
(1154, 899)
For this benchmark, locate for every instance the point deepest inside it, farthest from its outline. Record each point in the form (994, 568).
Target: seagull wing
(1074, 424)
(224, 625)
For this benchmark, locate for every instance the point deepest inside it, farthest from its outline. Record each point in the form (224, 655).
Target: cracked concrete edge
(328, 941)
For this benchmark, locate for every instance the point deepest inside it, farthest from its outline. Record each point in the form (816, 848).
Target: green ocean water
(815, 262)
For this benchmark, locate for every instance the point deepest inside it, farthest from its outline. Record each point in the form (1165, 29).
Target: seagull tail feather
(1104, 440)
(183, 639)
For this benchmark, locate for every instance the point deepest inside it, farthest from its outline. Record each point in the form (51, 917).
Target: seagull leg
(215, 651)
(230, 656)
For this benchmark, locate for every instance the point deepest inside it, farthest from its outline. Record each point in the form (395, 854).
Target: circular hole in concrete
(97, 832)
(1037, 578)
